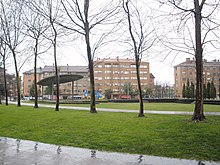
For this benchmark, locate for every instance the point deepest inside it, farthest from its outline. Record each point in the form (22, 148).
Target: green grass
(152, 106)
(159, 135)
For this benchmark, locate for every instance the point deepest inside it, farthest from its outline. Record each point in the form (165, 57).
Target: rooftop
(111, 60)
(66, 68)
(76, 69)
(190, 62)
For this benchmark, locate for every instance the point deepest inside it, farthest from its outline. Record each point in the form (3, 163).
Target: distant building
(1, 75)
(109, 74)
(11, 83)
(65, 89)
(28, 80)
(113, 74)
(187, 71)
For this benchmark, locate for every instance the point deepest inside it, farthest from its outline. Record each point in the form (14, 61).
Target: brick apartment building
(66, 88)
(108, 73)
(28, 81)
(11, 83)
(187, 71)
(113, 74)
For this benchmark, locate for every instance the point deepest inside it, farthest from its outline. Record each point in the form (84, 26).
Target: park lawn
(152, 106)
(160, 135)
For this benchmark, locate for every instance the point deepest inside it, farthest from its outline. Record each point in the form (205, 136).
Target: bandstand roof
(62, 79)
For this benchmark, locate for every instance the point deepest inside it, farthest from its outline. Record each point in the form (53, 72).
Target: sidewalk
(23, 152)
(121, 110)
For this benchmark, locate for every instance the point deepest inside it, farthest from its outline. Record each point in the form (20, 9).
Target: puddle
(24, 152)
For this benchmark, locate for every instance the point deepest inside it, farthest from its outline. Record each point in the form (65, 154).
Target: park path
(120, 110)
(24, 152)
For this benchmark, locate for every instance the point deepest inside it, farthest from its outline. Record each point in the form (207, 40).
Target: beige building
(66, 89)
(113, 74)
(11, 83)
(109, 74)
(28, 80)
(187, 71)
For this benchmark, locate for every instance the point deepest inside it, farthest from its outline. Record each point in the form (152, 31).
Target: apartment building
(28, 81)
(187, 71)
(78, 86)
(1, 75)
(11, 83)
(113, 74)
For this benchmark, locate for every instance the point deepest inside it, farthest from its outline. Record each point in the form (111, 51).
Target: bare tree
(141, 39)
(36, 26)
(199, 27)
(52, 18)
(52, 13)
(4, 54)
(13, 36)
(81, 19)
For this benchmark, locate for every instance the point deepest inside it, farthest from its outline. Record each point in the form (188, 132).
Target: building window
(143, 72)
(98, 71)
(133, 66)
(143, 66)
(107, 65)
(125, 66)
(116, 65)
(133, 72)
(98, 66)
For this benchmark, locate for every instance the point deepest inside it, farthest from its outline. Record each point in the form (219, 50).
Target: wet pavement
(121, 110)
(23, 152)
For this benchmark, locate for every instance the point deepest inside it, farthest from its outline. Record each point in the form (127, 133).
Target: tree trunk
(35, 77)
(54, 42)
(141, 110)
(57, 78)
(5, 82)
(137, 61)
(17, 79)
(90, 59)
(92, 82)
(198, 111)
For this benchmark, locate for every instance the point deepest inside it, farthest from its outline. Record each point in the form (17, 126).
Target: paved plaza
(23, 152)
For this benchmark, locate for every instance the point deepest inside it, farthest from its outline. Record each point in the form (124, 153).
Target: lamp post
(219, 88)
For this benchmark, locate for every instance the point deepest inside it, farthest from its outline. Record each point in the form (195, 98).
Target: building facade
(187, 71)
(28, 81)
(66, 89)
(1, 75)
(114, 74)
(11, 84)
(109, 74)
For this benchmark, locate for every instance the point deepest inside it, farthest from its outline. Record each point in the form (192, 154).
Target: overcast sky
(73, 53)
